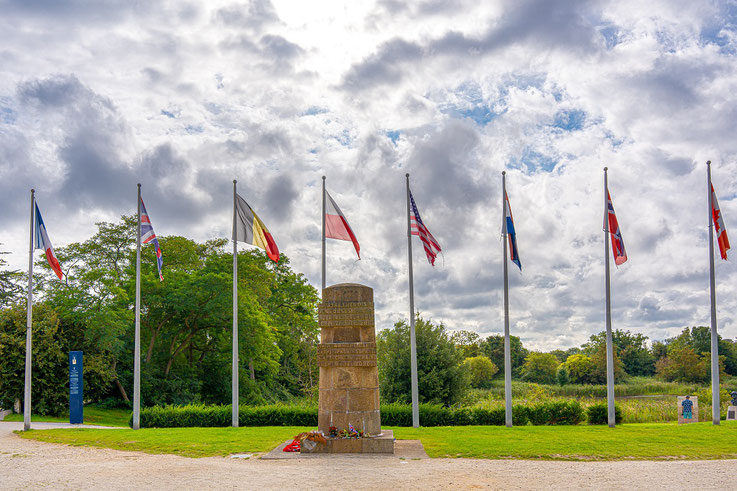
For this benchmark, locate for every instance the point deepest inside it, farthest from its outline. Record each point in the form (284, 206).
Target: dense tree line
(186, 334)
(186, 324)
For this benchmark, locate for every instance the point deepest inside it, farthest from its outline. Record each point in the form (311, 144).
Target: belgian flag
(248, 228)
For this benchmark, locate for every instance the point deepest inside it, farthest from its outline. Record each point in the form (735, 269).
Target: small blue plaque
(76, 383)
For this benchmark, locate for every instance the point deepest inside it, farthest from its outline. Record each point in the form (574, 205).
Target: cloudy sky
(183, 97)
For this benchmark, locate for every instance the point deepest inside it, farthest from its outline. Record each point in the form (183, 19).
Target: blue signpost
(76, 382)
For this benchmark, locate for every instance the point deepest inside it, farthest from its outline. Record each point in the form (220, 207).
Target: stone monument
(688, 406)
(349, 378)
(732, 409)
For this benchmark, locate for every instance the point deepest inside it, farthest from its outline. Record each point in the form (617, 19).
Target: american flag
(149, 237)
(418, 228)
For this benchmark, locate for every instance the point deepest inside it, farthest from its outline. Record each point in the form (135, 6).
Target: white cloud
(186, 97)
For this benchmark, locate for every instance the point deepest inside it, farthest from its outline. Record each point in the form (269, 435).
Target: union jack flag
(620, 255)
(417, 227)
(149, 237)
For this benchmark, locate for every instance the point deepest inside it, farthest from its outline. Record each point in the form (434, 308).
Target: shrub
(579, 368)
(556, 413)
(540, 367)
(546, 413)
(562, 376)
(480, 370)
(598, 414)
(220, 416)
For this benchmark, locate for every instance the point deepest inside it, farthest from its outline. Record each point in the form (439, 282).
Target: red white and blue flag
(512, 235)
(43, 243)
(149, 237)
(719, 229)
(620, 255)
(418, 228)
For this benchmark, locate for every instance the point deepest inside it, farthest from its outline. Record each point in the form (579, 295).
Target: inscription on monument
(346, 315)
(346, 355)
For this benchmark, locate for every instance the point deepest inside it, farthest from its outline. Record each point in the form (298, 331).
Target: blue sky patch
(194, 129)
(313, 110)
(7, 115)
(393, 135)
(569, 120)
(168, 114)
(532, 161)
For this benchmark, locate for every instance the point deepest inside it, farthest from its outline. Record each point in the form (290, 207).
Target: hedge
(598, 414)
(542, 413)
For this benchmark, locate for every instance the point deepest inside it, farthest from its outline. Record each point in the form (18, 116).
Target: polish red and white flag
(336, 226)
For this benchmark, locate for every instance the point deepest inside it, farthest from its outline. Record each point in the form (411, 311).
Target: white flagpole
(137, 342)
(609, 347)
(29, 324)
(323, 233)
(235, 368)
(715, 413)
(507, 347)
(412, 338)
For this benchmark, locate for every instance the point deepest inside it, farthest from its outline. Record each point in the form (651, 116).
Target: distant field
(92, 416)
(639, 441)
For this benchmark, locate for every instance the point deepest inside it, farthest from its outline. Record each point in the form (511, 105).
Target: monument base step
(383, 443)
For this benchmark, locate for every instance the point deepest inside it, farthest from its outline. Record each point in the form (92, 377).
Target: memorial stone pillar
(349, 380)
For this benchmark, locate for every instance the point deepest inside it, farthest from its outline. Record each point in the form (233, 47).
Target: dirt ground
(28, 464)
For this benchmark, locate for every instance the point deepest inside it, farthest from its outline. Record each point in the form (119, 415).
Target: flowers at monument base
(313, 436)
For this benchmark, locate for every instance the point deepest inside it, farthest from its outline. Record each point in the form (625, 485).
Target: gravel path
(28, 464)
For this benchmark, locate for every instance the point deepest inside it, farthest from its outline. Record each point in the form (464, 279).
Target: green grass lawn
(187, 442)
(652, 441)
(636, 441)
(92, 416)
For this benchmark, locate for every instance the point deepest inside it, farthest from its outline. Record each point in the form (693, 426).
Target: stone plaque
(349, 380)
(732, 413)
(346, 355)
(684, 404)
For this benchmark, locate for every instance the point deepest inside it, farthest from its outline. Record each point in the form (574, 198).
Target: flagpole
(412, 337)
(507, 347)
(235, 368)
(715, 409)
(323, 233)
(29, 324)
(137, 342)
(609, 347)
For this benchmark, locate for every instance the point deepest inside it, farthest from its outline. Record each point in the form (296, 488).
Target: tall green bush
(441, 378)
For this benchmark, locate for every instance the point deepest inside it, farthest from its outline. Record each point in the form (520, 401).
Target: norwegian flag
(149, 237)
(721, 232)
(620, 255)
(417, 227)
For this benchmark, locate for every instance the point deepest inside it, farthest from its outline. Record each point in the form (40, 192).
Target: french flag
(43, 243)
(336, 226)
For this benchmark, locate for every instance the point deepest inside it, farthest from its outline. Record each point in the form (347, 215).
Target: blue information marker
(75, 388)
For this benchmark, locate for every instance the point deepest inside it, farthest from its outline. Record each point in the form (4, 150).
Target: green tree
(540, 367)
(11, 289)
(469, 342)
(480, 370)
(632, 350)
(493, 348)
(683, 364)
(579, 368)
(598, 362)
(49, 385)
(699, 339)
(441, 378)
